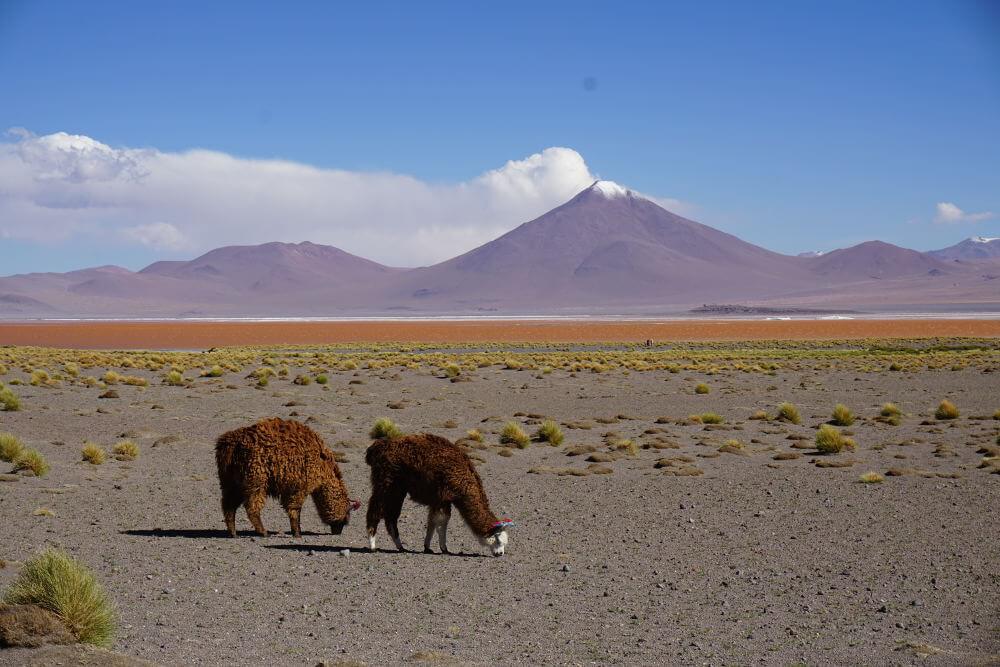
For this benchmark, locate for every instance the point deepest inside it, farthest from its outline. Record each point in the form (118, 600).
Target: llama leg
(393, 507)
(293, 507)
(254, 505)
(230, 503)
(442, 528)
(433, 517)
(373, 517)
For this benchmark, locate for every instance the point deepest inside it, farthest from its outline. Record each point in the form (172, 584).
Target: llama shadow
(203, 533)
(316, 548)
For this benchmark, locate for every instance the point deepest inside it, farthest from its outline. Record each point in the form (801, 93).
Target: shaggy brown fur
(435, 473)
(282, 459)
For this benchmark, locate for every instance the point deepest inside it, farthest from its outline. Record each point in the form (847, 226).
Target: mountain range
(608, 250)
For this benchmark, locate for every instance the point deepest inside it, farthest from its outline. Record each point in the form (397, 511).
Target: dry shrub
(871, 478)
(701, 388)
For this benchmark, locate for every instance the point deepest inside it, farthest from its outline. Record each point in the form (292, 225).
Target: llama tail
(224, 450)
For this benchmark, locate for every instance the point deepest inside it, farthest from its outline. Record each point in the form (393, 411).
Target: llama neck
(477, 514)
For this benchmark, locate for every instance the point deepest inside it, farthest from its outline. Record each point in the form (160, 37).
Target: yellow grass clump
(513, 434)
(31, 459)
(550, 432)
(56, 581)
(842, 415)
(93, 453)
(126, 450)
(384, 428)
(946, 410)
(871, 478)
(10, 447)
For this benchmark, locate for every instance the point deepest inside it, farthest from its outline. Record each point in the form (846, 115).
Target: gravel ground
(755, 561)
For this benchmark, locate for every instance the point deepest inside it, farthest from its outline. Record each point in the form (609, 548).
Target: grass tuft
(789, 413)
(384, 428)
(627, 446)
(871, 478)
(10, 447)
(10, 401)
(711, 418)
(831, 441)
(946, 410)
(56, 581)
(701, 388)
(842, 415)
(31, 459)
(174, 379)
(126, 450)
(550, 432)
(513, 434)
(93, 453)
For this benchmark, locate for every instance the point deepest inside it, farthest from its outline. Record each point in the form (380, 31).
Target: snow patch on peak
(984, 239)
(610, 189)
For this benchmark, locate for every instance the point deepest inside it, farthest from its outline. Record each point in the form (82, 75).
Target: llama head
(496, 539)
(331, 497)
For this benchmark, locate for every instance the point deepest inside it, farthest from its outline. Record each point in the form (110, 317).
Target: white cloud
(62, 187)
(156, 235)
(950, 214)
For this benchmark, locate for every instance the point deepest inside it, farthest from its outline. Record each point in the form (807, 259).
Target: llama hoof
(427, 550)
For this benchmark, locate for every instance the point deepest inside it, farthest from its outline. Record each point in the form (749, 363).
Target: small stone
(565, 568)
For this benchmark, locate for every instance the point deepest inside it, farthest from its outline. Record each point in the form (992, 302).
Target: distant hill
(971, 249)
(608, 250)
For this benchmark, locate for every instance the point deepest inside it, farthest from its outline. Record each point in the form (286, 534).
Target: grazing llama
(438, 474)
(283, 459)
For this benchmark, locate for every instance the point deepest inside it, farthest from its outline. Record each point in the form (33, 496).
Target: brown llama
(435, 473)
(283, 459)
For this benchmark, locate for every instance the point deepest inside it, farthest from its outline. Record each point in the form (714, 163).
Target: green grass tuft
(842, 415)
(31, 459)
(711, 418)
(9, 401)
(831, 441)
(701, 388)
(550, 432)
(871, 478)
(384, 428)
(789, 413)
(58, 582)
(10, 447)
(513, 434)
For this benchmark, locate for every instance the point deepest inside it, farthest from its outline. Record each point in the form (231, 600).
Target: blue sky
(794, 125)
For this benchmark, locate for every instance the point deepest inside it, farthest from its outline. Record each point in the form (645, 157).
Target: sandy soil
(201, 335)
(756, 561)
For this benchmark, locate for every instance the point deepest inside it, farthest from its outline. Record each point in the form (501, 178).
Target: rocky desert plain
(683, 518)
